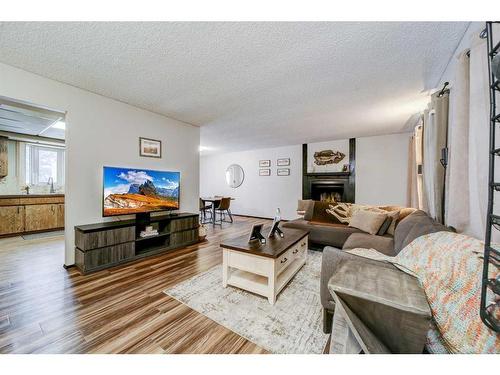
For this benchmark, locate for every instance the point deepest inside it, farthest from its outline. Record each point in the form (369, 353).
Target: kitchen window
(44, 163)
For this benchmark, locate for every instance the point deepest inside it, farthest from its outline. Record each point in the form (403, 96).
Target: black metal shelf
(495, 49)
(496, 186)
(494, 285)
(491, 254)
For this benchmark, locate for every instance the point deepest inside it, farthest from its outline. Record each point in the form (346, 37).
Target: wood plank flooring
(47, 309)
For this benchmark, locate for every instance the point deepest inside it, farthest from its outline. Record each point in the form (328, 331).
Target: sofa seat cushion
(383, 244)
(329, 234)
(336, 225)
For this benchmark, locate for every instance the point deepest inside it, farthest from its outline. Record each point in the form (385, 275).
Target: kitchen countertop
(30, 196)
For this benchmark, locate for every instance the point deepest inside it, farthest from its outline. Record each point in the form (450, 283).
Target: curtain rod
(444, 90)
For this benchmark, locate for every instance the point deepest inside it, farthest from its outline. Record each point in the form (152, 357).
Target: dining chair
(204, 209)
(223, 208)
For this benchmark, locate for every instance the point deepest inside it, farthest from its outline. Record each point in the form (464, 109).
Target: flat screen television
(137, 191)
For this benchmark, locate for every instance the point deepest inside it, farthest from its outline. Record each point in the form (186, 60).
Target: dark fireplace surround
(330, 186)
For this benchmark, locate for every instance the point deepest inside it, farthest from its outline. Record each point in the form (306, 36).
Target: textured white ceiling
(248, 85)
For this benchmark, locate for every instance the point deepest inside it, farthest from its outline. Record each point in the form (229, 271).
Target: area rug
(292, 325)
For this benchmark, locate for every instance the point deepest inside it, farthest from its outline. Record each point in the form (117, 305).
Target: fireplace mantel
(332, 174)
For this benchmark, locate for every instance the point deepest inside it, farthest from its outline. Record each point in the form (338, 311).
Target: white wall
(101, 131)
(382, 169)
(381, 176)
(258, 195)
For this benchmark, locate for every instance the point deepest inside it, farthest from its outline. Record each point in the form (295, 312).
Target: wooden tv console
(107, 244)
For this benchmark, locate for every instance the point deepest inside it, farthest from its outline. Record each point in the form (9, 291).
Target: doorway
(32, 170)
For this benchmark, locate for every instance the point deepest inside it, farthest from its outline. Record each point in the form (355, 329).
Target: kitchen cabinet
(31, 213)
(60, 216)
(40, 217)
(11, 219)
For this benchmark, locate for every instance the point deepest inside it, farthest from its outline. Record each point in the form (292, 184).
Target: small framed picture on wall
(283, 172)
(284, 162)
(150, 148)
(264, 172)
(264, 163)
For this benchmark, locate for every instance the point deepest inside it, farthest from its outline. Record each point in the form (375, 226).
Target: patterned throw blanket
(449, 267)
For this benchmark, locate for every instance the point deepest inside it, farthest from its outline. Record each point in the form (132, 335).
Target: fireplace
(328, 190)
(330, 186)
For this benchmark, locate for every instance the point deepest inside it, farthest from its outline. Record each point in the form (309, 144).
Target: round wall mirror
(234, 175)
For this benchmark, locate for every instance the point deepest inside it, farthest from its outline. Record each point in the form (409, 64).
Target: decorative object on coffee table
(149, 147)
(264, 269)
(275, 229)
(264, 163)
(256, 235)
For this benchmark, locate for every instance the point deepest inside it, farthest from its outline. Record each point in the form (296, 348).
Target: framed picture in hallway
(284, 162)
(264, 163)
(264, 172)
(283, 172)
(150, 148)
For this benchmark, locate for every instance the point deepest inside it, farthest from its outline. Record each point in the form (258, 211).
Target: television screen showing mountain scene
(129, 191)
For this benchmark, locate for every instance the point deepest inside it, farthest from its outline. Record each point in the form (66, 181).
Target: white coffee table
(264, 269)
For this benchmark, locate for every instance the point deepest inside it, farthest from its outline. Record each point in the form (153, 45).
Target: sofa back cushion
(413, 226)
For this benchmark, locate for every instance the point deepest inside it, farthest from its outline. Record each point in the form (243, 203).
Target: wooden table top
(380, 282)
(273, 247)
(214, 199)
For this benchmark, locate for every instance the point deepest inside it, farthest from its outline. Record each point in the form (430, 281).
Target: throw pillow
(405, 212)
(394, 215)
(367, 221)
(385, 226)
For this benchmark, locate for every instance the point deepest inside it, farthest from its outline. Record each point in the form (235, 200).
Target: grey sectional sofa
(413, 226)
(325, 230)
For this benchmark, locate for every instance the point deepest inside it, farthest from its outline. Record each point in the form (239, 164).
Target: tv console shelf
(107, 244)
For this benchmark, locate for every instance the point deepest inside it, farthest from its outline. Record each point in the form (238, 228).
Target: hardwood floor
(47, 309)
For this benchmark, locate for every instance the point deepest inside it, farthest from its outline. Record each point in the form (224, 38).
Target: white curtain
(467, 175)
(457, 173)
(435, 135)
(419, 160)
(429, 161)
(478, 139)
(412, 192)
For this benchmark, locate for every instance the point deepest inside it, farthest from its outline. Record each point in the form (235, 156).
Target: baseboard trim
(257, 217)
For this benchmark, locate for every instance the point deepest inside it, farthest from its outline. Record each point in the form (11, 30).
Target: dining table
(214, 201)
